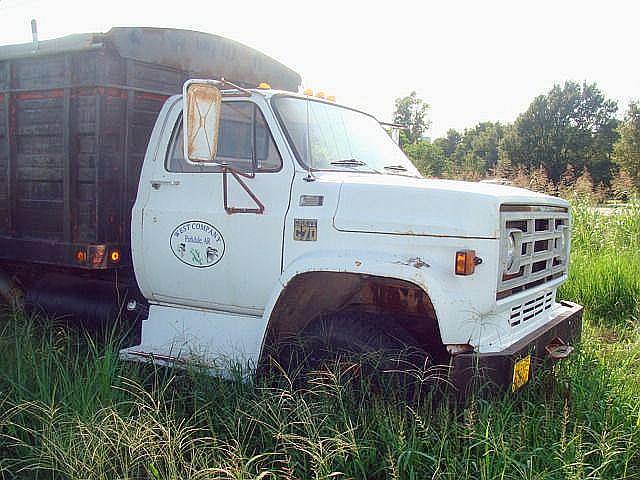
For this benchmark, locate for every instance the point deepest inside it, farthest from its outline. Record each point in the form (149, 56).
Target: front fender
(416, 270)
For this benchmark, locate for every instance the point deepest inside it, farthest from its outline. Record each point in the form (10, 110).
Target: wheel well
(309, 295)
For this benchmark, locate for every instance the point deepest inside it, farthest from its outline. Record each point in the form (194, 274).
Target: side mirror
(201, 120)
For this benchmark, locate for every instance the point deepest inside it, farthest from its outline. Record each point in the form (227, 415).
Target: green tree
(449, 143)
(626, 151)
(475, 152)
(478, 152)
(412, 112)
(572, 123)
(504, 166)
(448, 146)
(427, 157)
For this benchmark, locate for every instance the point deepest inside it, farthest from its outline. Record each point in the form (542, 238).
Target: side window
(244, 140)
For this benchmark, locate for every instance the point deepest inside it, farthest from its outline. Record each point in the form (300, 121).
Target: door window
(244, 141)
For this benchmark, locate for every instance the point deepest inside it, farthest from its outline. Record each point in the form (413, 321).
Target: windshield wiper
(352, 162)
(400, 168)
(349, 161)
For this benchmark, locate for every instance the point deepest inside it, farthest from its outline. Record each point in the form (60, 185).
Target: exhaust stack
(34, 34)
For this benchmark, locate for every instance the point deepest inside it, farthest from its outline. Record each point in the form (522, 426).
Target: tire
(364, 348)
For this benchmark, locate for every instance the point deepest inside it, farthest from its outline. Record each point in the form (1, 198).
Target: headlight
(511, 251)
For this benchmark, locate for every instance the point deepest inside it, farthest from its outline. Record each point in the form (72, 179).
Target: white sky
(471, 60)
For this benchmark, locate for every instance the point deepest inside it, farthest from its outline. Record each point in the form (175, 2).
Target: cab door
(216, 246)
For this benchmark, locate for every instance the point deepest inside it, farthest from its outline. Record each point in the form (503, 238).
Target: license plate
(521, 371)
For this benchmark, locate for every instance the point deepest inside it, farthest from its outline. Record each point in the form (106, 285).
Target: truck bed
(76, 114)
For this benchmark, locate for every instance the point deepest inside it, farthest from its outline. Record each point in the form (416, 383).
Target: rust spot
(313, 293)
(54, 93)
(202, 103)
(156, 97)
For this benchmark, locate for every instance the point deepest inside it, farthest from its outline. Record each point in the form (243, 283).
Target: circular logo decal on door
(197, 244)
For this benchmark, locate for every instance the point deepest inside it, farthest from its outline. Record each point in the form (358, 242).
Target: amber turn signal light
(466, 262)
(115, 256)
(81, 256)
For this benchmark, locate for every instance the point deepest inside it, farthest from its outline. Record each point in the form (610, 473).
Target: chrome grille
(541, 235)
(532, 308)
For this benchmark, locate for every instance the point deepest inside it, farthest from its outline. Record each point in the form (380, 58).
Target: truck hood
(401, 205)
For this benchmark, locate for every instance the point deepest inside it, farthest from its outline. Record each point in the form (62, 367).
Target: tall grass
(71, 409)
(598, 230)
(605, 262)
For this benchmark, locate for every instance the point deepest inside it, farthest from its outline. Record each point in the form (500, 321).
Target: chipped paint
(415, 262)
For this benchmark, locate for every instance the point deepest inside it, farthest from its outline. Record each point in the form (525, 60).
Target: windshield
(338, 138)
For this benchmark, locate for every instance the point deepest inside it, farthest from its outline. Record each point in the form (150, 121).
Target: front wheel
(367, 348)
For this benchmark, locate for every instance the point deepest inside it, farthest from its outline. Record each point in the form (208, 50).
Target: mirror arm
(254, 162)
(242, 92)
(237, 174)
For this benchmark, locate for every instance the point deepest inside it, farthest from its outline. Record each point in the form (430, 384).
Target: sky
(471, 61)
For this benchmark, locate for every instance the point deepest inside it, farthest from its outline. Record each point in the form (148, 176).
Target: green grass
(605, 269)
(71, 409)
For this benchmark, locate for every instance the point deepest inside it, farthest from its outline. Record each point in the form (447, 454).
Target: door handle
(157, 183)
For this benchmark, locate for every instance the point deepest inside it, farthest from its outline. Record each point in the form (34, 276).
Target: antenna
(34, 34)
(309, 177)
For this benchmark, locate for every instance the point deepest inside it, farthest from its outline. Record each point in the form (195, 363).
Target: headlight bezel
(511, 252)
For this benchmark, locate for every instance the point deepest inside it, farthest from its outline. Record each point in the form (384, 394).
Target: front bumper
(494, 372)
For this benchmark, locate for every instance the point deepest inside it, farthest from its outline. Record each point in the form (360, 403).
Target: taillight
(114, 256)
(81, 256)
(97, 256)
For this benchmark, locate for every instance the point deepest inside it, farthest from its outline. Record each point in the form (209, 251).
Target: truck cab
(307, 210)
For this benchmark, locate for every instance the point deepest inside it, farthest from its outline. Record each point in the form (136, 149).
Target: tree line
(567, 138)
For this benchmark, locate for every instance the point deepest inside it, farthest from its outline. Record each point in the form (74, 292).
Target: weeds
(71, 409)
(605, 263)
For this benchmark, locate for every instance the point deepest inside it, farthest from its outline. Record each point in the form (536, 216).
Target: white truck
(261, 213)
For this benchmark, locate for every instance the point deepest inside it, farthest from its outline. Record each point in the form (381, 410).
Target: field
(70, 409)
